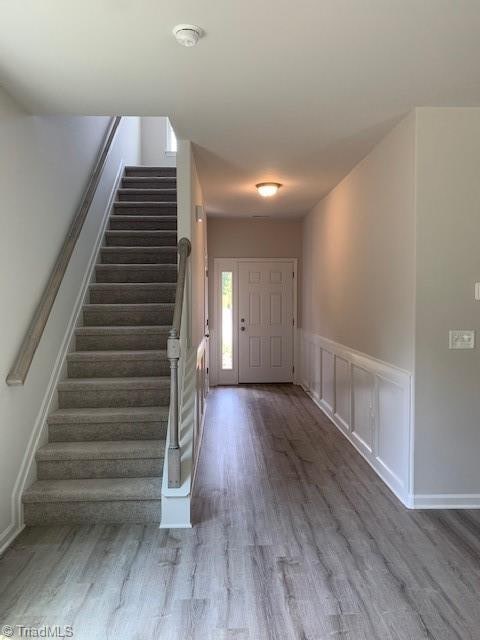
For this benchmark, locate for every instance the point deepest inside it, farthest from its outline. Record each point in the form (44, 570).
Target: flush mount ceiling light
(268, 189)
(187, 34)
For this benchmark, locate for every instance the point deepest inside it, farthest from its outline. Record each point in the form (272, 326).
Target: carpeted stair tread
(93, 384)
(102, 450)
(132, 292)
(94, 490)
(140, 237)
(112, 356)
(143, 223)
(150, 170)
(112, 330)
(138, 255)
(108, 414)
(144, 204)
(151, 182)
(137, 267)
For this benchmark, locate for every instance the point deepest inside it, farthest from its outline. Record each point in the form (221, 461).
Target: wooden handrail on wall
(21, 366)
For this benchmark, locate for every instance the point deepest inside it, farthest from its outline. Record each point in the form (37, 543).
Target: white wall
(44, 165)
(447, 413)
(190, 195)
(154, 142)
(359, 255)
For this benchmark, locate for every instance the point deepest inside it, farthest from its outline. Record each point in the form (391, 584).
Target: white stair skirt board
(370, 403)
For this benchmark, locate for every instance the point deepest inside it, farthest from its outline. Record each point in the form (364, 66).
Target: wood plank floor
(296, 539)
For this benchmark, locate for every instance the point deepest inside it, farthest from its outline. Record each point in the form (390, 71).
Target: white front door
(265, 321)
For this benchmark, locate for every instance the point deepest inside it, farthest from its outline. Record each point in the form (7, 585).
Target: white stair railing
(173, 354)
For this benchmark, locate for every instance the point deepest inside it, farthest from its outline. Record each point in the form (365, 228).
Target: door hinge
(207, 369)
(293, 274)
(293, 321)
(293, 369)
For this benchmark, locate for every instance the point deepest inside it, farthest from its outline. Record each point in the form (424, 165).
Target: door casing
(217, 375)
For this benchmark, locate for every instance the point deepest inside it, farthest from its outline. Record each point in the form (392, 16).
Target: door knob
(242, 328)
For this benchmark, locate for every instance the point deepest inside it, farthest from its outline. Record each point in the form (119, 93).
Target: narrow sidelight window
(227, 320)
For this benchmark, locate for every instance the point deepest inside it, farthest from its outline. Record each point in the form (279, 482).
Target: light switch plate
(461, 339)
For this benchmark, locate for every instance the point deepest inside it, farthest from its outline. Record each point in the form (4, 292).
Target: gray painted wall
(359, 255)
(447, 412)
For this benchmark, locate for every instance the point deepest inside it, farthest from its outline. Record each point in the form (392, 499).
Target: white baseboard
(9, 535)
(368, 400)
(446, 501)
(27, 471)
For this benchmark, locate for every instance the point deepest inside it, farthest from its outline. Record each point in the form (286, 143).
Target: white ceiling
(292, 91)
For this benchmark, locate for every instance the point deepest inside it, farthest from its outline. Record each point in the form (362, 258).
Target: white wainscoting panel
(392, 439)
(343, 392)
(363, 389)
(327, 391)
(368, 400)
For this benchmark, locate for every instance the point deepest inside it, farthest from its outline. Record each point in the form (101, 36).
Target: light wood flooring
(296, 539)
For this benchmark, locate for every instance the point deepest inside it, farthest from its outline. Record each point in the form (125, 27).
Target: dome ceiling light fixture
(268, 189)
(187, 34)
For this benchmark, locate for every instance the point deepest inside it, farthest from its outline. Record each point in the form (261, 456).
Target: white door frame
(231, 264)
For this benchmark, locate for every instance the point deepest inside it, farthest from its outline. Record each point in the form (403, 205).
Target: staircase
(105, 452)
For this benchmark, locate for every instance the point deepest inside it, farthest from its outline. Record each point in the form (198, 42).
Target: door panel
(265, 313)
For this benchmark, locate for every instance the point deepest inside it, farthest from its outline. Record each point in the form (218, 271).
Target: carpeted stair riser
(145, 208)
(141, 238)
(115, 500)
(102, 315)
(136, 273)
(69, 469)
(121, 338)
(143, 223)
(99, 366)
(87, 460)
(109, 512)
(132, 293)
(100, 431)
(86, 425)
(150, 171)
(121, 392)
(138, 255)
(147, 195)
(149, 182)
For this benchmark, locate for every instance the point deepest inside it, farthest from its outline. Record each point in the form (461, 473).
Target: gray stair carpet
(103, 462)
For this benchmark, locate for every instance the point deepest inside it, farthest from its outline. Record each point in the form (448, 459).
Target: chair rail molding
(369, 401)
